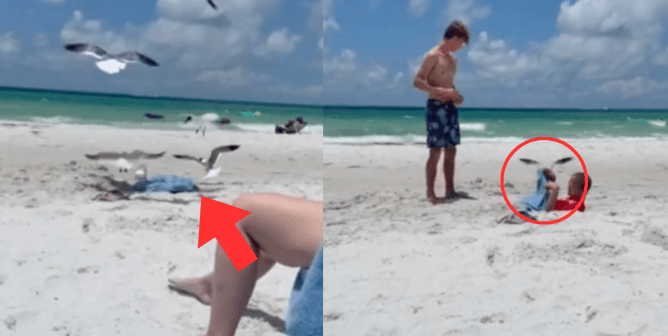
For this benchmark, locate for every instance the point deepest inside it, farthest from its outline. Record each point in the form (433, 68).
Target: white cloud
(202, 37)
(9, 44)
(90, 31)
(418, 7)
(632, 88)
(234, 78)
(495, 60)
(466, 11)
(329, 22)
(41, 40)
(279, 41)
(414, 66)
(342, 73)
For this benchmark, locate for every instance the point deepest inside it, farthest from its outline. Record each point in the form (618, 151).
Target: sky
(249, 50)
(522, 53)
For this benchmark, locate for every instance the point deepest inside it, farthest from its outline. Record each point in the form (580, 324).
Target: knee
(451, 151)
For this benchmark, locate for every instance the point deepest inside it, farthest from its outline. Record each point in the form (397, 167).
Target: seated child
(575, 190)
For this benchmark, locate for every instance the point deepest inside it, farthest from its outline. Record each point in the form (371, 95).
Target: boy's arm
(553, 190)
(420, 82)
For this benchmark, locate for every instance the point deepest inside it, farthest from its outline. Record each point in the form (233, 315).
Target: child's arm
(553, 190)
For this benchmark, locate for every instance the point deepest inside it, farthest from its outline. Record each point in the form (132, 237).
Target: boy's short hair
(457, 29)
(580, 181)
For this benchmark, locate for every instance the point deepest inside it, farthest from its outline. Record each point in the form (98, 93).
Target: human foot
(198, 288)
(432, 199)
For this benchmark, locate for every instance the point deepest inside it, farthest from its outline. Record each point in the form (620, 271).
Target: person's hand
(552, 186)
(549, 174)
(445, 95)
(459, 99)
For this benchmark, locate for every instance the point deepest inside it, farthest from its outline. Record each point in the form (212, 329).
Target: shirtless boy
(436, 77)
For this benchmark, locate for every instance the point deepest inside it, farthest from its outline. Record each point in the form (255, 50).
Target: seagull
(212, 4)
(211, 161)
(122, 160)
(203, 122)
(110, 63)
(558, 162)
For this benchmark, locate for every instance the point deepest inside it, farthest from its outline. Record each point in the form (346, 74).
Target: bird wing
(153, 156)
(212, 4)
(104, 156)
(564, 160)
(186, 157)
(86, 49)
(529, 161)
(126, 56)
(217, 151)
(146, 60)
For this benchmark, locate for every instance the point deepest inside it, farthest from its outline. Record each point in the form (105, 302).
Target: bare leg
(288, 229)
(431, 169)
(200, 288)
(449, 171)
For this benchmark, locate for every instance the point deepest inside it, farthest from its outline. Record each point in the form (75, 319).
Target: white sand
(73, 266)
(397, 265)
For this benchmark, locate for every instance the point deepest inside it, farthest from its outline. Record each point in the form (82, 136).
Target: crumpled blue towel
(304, 316)
(165, 183)
(536, 201)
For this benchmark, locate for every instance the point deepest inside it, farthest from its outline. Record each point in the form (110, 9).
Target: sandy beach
(73, 265)
(397, 265)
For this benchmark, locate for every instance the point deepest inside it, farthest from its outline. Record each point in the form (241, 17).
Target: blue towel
(165, 183)
(305, 313)
(536, 201)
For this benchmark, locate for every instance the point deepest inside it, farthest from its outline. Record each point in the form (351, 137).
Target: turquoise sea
(407, 124)
(344, 124)
(126, 111)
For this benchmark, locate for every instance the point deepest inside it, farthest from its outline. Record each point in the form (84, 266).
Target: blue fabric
(442, 124)
(165, 183)
(536, 201)
(305, 313)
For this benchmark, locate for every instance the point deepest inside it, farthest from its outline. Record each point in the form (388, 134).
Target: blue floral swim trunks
(442, 124)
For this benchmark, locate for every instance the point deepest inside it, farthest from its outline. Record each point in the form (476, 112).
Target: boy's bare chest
(446, 66)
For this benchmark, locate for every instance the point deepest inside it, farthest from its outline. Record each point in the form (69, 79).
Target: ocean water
(407, 125)
(124, 111)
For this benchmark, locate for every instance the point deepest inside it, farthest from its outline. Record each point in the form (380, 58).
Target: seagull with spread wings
(110, 63)
(209, 163)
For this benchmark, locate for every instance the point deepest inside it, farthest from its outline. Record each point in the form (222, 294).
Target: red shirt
(569, 203)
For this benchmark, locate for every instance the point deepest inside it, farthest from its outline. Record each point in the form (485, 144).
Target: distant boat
(153, 116)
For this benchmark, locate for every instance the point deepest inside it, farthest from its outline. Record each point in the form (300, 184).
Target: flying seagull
(110, 63)
(212, 4)
(211, 161)
(558, 162)
(122, 160)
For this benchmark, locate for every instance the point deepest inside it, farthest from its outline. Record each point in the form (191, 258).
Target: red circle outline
(584, 167)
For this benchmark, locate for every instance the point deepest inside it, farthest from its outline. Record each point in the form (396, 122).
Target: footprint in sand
(3, 279)
(622, 318)
(10, 322)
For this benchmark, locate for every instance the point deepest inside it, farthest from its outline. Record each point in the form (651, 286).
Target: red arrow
(218, 220)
